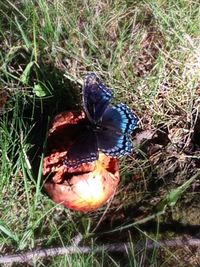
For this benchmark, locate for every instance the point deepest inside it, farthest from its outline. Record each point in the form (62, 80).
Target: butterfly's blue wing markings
(113, 137)
(96, 97)
(83, 149)
(120, 118)
(113, 144)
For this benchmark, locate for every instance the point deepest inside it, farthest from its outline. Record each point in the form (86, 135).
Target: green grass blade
(26, 73)
(4, 229)
(23, 34)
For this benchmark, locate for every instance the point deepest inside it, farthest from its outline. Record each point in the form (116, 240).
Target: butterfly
(107, 127)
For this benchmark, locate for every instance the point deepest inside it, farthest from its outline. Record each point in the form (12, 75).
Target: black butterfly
(107, 127)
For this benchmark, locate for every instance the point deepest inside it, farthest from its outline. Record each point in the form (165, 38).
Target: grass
(148, 53)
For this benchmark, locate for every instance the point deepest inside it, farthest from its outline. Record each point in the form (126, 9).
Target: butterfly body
(107, 127)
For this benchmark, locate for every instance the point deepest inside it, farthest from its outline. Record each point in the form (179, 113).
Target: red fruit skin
(85, 188)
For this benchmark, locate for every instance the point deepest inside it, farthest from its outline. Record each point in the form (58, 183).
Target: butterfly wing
(113, 138)
(96, 97)
(83, 149)
(120, 118)
(114, 144)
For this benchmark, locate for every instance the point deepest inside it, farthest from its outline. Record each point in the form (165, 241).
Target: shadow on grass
(63, 95)
(36, 109)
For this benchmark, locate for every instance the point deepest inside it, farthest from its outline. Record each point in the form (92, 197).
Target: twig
(69, 250)
(77, 239)
(116, 247)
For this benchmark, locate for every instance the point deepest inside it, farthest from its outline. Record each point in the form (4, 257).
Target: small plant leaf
(40, 90)
(173, 196)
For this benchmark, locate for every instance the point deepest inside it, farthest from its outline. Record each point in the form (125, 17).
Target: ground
(148, 53)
